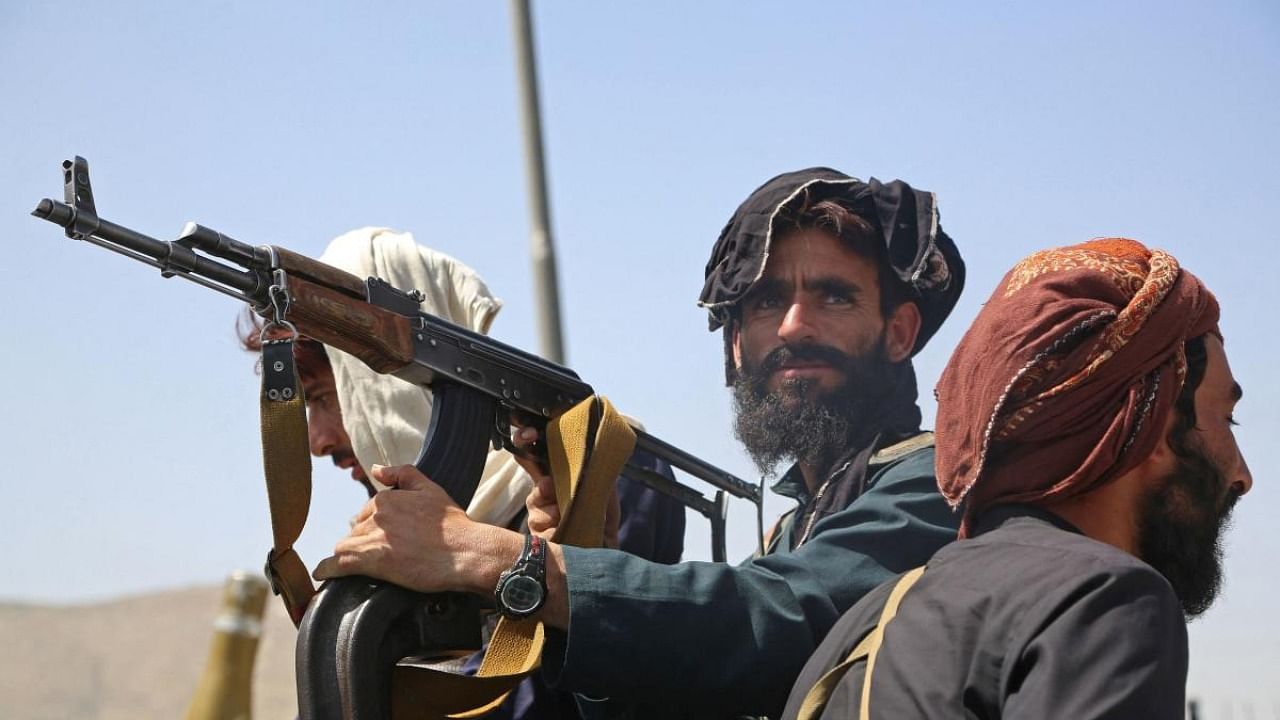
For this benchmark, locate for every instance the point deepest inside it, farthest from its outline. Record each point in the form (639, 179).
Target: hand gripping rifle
(355, 628)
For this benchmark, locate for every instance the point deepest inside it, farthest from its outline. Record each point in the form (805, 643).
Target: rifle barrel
(170, 257)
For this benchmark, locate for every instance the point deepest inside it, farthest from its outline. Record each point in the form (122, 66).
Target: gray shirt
(1029, 619)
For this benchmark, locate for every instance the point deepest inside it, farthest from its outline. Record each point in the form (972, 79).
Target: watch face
(521, 594)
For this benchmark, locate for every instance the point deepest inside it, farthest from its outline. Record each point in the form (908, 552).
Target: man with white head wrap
(361, 418)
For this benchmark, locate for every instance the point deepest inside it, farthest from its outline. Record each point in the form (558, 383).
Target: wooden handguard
(379, 337)
(301, 266)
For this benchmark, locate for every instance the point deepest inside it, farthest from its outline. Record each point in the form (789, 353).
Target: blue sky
(131, 438)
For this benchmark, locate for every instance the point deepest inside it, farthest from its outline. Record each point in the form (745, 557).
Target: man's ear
(901, 329)
(1162, 459)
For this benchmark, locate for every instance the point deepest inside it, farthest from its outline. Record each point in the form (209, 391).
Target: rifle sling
(815, 701)
(286, 463)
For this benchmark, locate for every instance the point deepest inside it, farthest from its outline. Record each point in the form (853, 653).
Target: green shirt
(715, 640)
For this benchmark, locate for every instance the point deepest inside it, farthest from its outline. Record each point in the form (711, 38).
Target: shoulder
(852, 627)
(900, 479)
(1030, 621)
(1038, 549)
(901, 497)
(904, 449)
(1072, 553)
(1077, 613)
(910, 458)
(1046, 577)
(1102, 585)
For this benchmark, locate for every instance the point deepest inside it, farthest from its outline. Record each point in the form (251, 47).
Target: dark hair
(1184, 408)
(309, 354)
(856, 232)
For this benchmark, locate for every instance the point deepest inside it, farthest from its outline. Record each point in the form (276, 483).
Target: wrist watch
(522, 589)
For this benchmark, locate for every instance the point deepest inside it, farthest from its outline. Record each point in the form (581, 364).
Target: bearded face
(799, 420)
(1181, 523)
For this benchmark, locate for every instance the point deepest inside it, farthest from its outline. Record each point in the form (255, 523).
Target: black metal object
(354, 633)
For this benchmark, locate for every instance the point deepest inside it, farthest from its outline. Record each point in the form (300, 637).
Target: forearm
(693, 637)
(484, 552)
(416, 537)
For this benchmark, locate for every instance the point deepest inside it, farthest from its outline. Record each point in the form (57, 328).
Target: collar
(1001, 515)
(791, 485)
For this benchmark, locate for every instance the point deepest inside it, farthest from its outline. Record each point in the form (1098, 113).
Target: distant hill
(136, 657)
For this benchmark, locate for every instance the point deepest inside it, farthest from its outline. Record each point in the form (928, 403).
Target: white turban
(386, 417)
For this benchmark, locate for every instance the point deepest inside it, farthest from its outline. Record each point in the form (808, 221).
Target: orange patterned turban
(1067, 374)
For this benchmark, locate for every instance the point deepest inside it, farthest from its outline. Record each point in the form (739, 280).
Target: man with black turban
(1084, 427)
(825, 287)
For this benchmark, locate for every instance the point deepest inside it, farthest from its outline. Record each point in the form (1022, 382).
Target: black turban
(919, 252)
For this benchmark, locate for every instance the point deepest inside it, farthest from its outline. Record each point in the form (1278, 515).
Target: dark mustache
(807, 352)
(342, 456)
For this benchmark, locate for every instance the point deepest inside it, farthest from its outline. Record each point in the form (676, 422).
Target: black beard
(1180, 527)
(790, 424)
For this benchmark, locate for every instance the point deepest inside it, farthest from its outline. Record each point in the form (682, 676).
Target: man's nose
(797, 324)
(320, 435)
(1242, 479)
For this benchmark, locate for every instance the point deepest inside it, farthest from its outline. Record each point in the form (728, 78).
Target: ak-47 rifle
(477, 384)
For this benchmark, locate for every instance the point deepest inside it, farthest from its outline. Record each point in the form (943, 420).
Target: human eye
(1231, 420)
(836, 292)
(321, 399)
(765, 300)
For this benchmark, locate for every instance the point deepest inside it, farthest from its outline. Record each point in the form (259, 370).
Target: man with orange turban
(1084, 431)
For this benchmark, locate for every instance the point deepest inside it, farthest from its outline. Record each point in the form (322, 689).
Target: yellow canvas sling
(286, 463)
(816, 699)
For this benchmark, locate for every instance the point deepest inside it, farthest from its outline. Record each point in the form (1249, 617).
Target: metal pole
(546, 288)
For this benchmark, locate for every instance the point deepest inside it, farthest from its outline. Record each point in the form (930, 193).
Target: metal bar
(697, 467)
(715, 511)
(541, 247)
(687, 496)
